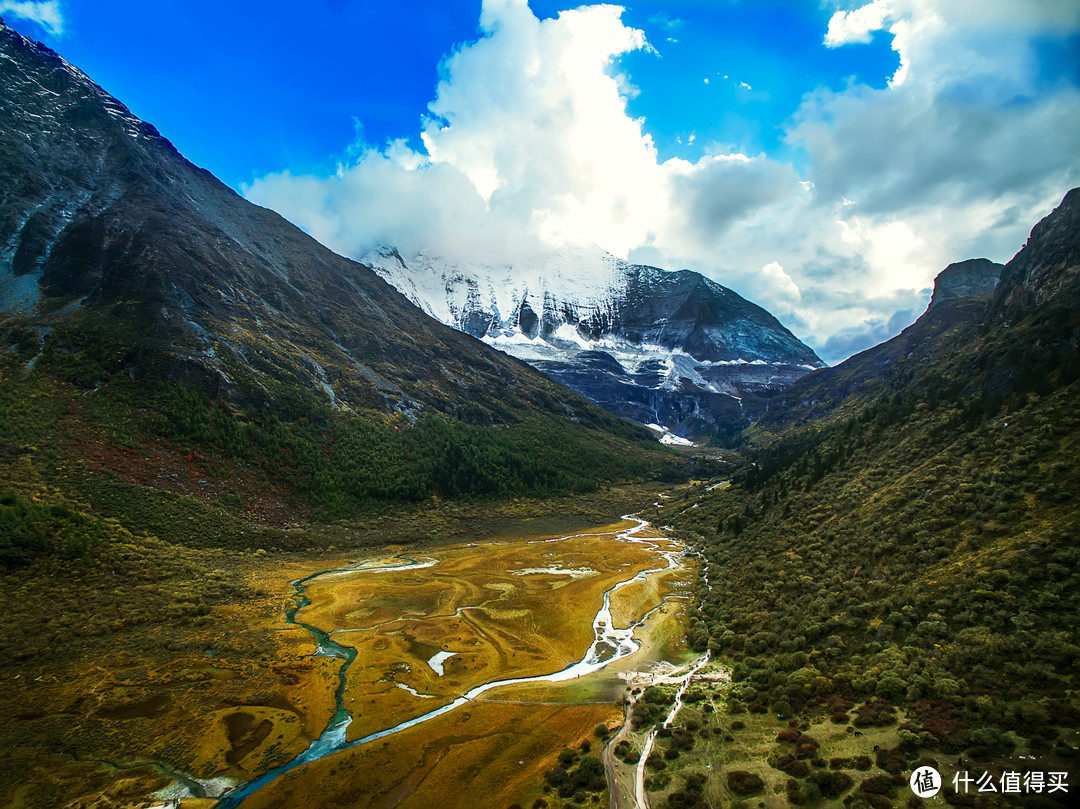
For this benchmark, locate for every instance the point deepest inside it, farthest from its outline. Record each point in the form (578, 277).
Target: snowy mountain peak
(667, 347)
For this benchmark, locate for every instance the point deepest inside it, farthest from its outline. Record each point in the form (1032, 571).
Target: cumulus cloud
(964, 150)
(706, 198)
(529, 145)
(529, 136)
(46, 14)
(857, 25)
(968, 123)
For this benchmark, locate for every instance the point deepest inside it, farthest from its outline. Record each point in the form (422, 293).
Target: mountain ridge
(671, 348)
(130, 271)
(972, 300)
(901, 532)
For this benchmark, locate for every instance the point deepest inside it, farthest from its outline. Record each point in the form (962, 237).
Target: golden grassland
(229, 696)
(483, 754)
(486, 603)
(500, 624)
(629, 603)
(662, 641)
(98, 716)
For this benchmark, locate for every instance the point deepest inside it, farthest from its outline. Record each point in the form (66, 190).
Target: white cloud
(958, 157)
(528, 137)
(780, 281)
(857, 25)
(529, 145)
(663, 20)
(46, 14)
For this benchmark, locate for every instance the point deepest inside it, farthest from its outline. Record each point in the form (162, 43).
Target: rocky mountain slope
(137, 280)
(673, 349)
(992, 327)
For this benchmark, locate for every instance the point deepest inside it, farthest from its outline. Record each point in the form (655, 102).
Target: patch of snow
(556, 570)
(675, 440)
(569, 333)
(413, 691)
(437, 660)
(505, 339)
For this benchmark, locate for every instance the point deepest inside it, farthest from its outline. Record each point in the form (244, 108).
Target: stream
(641, 800)
(609, 644)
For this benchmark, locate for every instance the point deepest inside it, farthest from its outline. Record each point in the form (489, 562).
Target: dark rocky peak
(49, 87)
(1046, 270)
(974, 278)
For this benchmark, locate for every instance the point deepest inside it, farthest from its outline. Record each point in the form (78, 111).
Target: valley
(388, 677)
(270, 535)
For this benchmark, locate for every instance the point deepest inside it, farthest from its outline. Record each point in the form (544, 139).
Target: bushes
(921, 566)
(574, 781)
(691, 796)
(744, 783)
(831, 784)
(30, 528)
(875, 713)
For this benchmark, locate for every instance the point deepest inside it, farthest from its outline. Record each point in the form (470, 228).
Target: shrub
(831, 784)
(744, 783)
(878, 785)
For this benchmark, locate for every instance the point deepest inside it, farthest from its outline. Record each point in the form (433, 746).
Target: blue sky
(244, 89)
(824, 159)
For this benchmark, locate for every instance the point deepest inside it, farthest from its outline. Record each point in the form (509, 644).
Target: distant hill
(990, 328)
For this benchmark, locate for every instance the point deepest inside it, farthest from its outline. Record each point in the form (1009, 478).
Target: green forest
(167, 457)
(915, 549)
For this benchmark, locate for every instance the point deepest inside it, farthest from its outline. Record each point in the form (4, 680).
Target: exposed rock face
(102, 219)
(974, 278)
(1048, 268)
(673, 349)
(981, 314)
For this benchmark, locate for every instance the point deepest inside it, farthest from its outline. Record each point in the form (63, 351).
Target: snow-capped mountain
(671, 349)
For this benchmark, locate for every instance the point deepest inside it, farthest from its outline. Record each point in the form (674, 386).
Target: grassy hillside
(178, 359)
(927, 559)
(899, 548)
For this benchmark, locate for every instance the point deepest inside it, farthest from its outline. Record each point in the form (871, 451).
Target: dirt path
(640, 800)
(620, 793)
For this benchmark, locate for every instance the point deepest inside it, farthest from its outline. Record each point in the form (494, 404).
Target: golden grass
(629, 603)
(264, 696)
(499, 623)
(478, 603)
(86, 726)
(482, 754)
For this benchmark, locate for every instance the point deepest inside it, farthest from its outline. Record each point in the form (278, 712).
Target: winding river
(609, 644)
